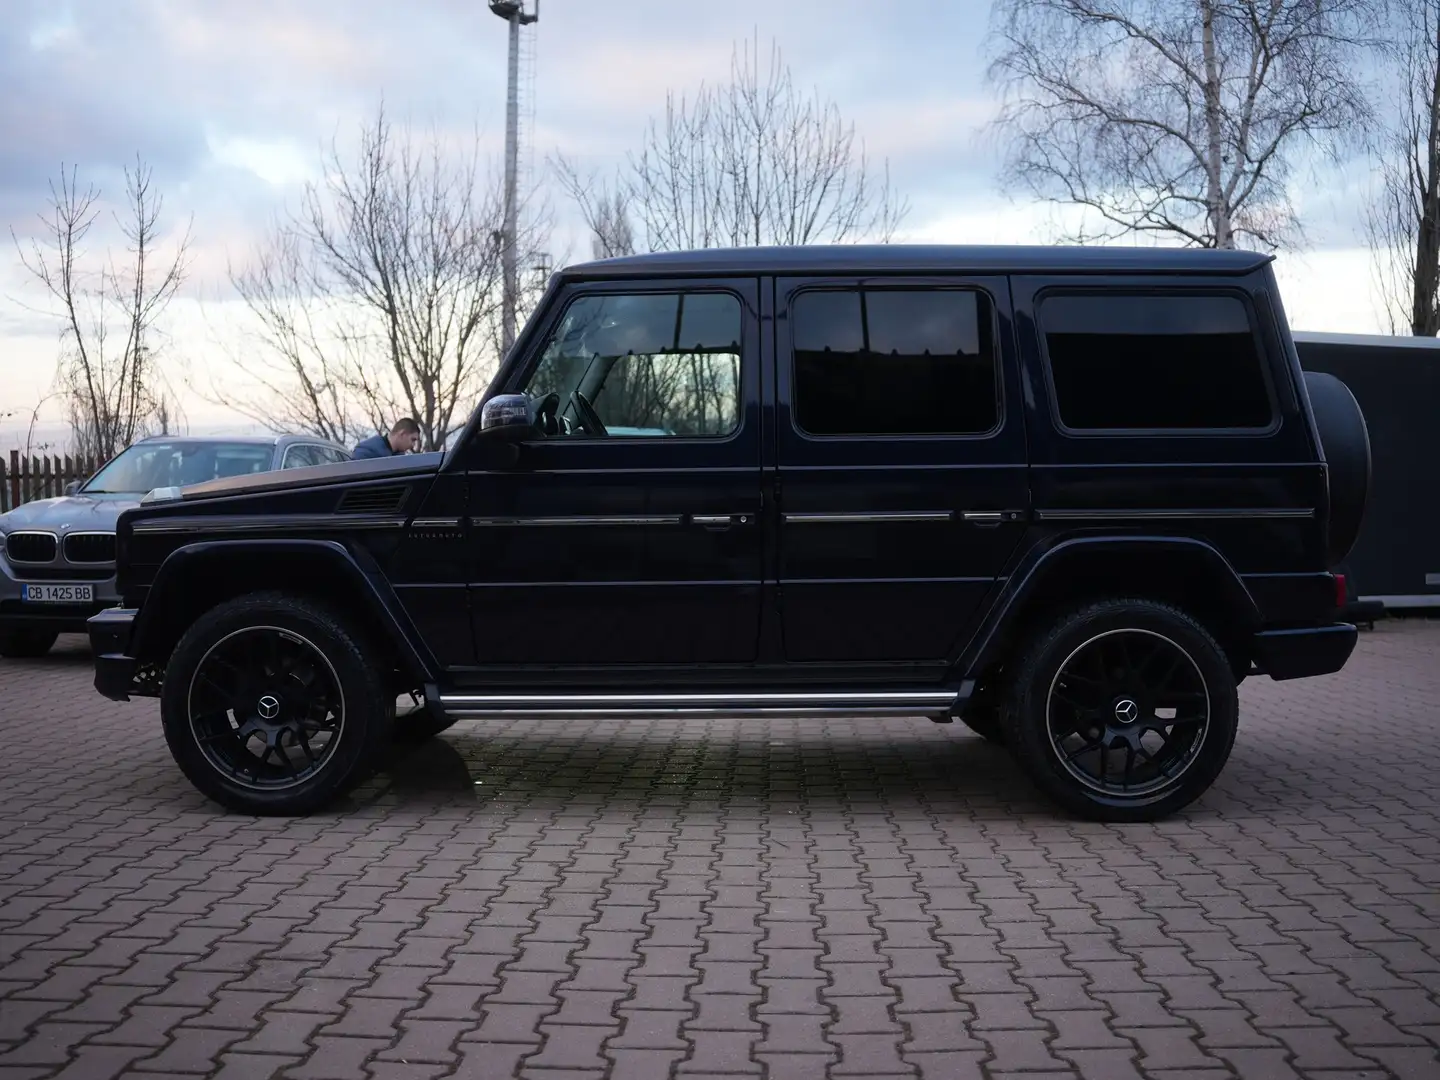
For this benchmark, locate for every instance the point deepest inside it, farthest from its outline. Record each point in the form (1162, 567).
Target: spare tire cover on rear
(1345, 439)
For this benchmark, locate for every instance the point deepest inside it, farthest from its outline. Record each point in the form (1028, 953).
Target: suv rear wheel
(273, 705)
(1124, 710)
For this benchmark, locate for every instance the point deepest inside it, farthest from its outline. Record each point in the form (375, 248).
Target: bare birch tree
(1179, 119)
(753, 161)
(109, 311)
(1403, 223)
(380, 297)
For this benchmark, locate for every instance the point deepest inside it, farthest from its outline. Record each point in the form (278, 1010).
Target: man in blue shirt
(404, 436)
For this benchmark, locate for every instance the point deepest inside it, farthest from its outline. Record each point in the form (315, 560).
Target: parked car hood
(69, 513)
(317, 475)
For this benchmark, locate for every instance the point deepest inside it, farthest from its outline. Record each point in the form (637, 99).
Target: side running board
(936, 704)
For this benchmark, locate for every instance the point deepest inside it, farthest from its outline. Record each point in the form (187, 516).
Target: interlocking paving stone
(694, 898)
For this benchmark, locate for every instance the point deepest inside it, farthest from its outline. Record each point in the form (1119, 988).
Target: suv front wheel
(1123, 710)
(274, 705)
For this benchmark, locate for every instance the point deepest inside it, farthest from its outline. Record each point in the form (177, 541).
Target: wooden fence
(38, 477)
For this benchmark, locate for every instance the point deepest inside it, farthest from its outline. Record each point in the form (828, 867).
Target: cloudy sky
(229, 101)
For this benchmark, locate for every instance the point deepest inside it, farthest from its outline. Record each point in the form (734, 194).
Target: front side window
(1178, 362)
(894, 362)
(653, 364)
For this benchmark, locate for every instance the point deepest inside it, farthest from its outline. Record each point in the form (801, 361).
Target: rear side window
(894, 362)
(1131, 361)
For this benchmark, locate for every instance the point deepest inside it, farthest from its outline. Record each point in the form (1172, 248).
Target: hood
(69, 513)
(317, 475)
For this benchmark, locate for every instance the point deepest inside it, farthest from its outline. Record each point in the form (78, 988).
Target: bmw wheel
(24, 644)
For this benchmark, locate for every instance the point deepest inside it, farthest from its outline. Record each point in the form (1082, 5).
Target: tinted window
(1174, 362)
(894, 362)
(653, 364)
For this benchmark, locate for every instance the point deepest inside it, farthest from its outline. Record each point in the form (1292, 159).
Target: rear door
(901, 464)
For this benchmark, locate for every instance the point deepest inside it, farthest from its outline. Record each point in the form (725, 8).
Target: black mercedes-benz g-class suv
(1070, 497)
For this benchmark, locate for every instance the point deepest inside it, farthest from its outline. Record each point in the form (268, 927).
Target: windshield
(146, 466)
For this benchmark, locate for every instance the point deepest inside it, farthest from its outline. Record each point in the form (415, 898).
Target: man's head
(404, 435)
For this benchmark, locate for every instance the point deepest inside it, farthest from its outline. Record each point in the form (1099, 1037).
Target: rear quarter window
(1136, 362)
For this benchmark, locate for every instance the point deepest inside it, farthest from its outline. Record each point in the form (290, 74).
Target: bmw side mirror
(72, 487)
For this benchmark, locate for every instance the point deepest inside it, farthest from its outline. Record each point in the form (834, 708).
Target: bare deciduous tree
(754, 161)
(109, 367)
(1180, 119)
(1403, 224)
(380, 297)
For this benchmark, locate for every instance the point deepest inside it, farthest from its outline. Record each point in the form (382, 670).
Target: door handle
(985, 519)
(719, 521)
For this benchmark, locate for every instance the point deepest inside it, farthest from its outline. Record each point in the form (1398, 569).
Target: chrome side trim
(985, 516)
(278, 523)
(867, 517)
(584, 519)
(736, 712)
(936, 697)
(813, 704)
(1224, 513)
(437, 523)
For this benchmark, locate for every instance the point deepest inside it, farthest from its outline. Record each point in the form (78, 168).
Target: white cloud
(276, 161)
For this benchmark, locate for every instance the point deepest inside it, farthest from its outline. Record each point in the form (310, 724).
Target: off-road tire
(368, 710)
(26, 644)
(1025, 718)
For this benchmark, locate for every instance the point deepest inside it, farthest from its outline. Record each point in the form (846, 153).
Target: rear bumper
(109, 642)
(1305, 652)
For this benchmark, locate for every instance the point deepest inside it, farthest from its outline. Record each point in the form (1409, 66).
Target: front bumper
(109, 642)
(1304, 652)
(63, 618)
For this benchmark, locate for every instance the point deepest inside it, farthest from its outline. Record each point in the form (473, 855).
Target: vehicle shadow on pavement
(544, 768)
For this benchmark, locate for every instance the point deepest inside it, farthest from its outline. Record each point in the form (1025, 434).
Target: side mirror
(506, 417)
(505, 422)
(72, 487)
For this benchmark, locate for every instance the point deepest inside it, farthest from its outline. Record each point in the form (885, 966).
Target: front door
(629, 534)
(901, 464)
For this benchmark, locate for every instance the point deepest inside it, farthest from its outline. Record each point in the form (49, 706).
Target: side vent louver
(375, 500)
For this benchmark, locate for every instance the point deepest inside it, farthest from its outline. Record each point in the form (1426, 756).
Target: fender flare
(1043, 563)
(375, 593)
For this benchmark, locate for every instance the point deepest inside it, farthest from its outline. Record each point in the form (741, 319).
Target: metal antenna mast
(514, 13)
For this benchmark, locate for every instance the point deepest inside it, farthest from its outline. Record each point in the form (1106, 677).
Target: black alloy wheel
(275, 705)
(1125, 710)
(1128, 712)
(266, 708)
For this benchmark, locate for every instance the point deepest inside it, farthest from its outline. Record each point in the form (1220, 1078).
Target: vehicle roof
(922, 258)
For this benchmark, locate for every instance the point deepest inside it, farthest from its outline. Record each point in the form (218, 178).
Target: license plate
(60, 594)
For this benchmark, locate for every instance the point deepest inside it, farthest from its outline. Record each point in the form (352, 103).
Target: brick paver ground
(696, 899)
